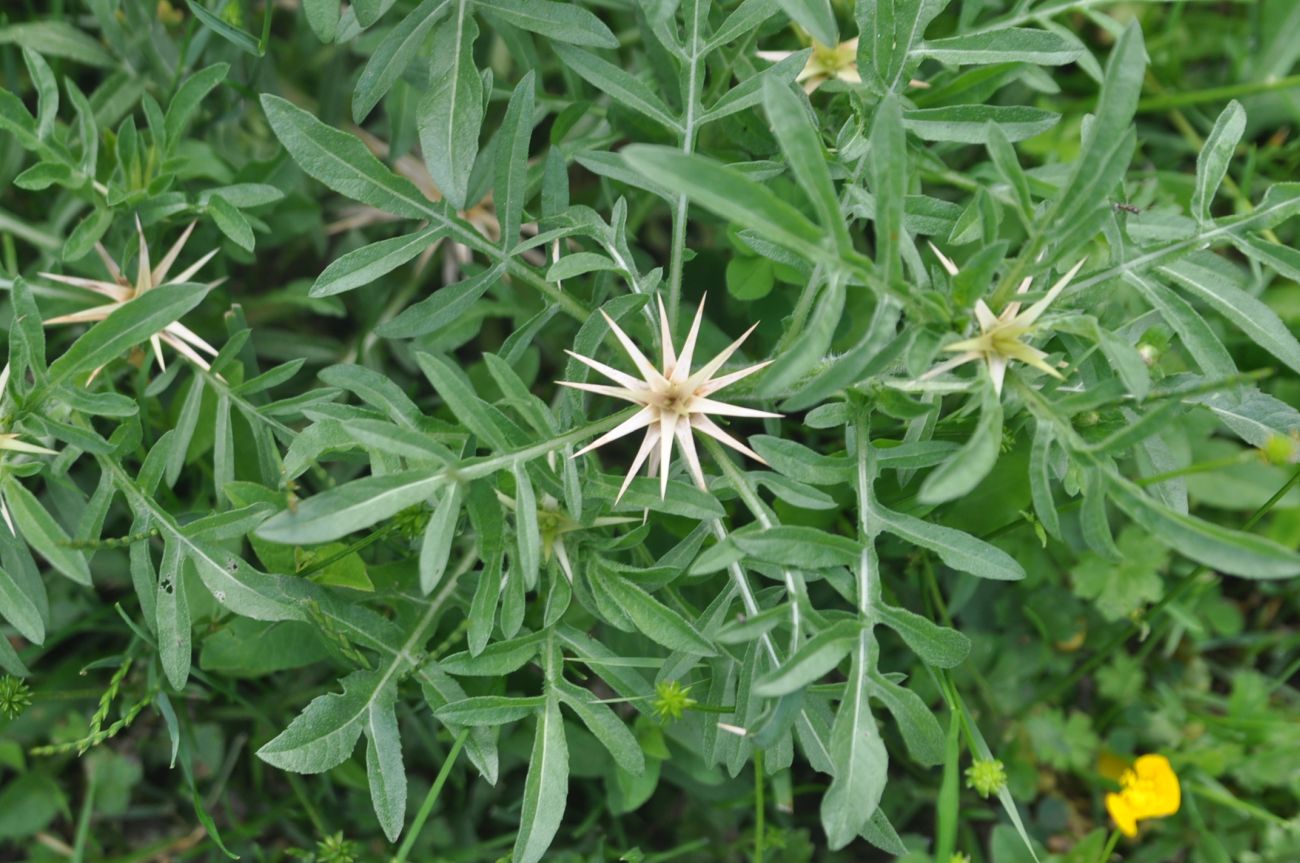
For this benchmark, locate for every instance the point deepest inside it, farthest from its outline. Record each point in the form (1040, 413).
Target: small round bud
(1279, 450)
(671, 700)
(986, 777)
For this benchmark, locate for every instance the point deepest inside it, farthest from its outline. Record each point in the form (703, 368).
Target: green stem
(1216, 94)
(1201, 467)
(759, 827)
(364, 542)
(1110, 847)
(794, 584)
(430, 799)
(690, 120)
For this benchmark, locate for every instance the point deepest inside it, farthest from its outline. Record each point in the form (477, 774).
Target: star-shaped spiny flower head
(120, 291)
(674, 402)
(827, 62)
(1000, 338)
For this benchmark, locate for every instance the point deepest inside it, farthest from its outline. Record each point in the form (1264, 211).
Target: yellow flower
(1148, 789)
(1000, 338)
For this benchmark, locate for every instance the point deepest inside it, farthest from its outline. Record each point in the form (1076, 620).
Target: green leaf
(188, 96)
(920, 729)
(512, 158)
(497, 659)
(859, 755)
(1040, 478)
(802, 547)
(890, 29)
(546, 788)
(384, 768)
(749, 92)
(748, 278)
(19, 609)
(445, 306)
(967, 467)
(43, 533)
(1008, 166)
(1097, 170)
(86, 129)
(231, 222)
(815, 16)
(341, 161)
(17, 120)
(888, 171)
(435, 547)
(955, 548)
(563, 22)
(797, 461)
(47, 92)
(812, 661)
(789, 118)
(653, 619)
(325, 733)
(604, 725)
(1194, 333)
(1222, 548)
(350, 507)
(1215, 157)
(1010, 45)
(577, 264)
(241, 39)
(368, 263)
(456, 390)
(1120, 587)
(370, 11)
(451, 110)
(745, 17)
(489, 710)
(172, 611)
(936, 645)
(969, 124)
(729, 193)
(391, 57)
(323, 18)
(87, 232)
(622, 87)
(528, 540)
(1214, 281)
(55, 38)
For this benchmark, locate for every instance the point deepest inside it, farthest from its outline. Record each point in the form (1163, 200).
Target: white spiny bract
(10, 442)
(120, 291)
(999, 341)
(674, 401)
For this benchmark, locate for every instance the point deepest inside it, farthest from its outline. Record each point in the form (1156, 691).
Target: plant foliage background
(341, 591)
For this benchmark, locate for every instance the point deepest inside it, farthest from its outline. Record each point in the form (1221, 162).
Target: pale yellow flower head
(1001, 337)
(11, 442)
(828, 62)
(120, 291)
